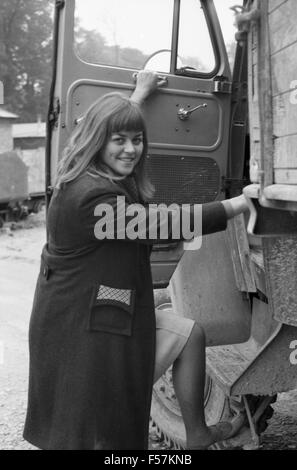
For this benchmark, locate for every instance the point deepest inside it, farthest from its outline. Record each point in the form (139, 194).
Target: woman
(92, 329)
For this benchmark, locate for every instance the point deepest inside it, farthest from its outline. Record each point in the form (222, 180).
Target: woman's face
(123, 151)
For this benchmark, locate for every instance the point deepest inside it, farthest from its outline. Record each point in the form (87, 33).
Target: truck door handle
(184, 114)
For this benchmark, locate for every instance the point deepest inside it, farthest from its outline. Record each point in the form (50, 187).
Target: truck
(22, 179)
(214, 132)
(13, 187)
(22, 185)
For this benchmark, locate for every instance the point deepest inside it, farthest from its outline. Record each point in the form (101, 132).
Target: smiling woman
(113, 142)
(123, 152)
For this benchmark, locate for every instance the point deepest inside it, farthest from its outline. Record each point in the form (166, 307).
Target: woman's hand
(147, 83)
(235, 206)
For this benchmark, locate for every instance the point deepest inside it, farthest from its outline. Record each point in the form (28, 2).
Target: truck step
(225, 364)
(252, 369)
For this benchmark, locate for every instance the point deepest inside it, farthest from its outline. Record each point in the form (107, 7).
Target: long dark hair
(114, 112)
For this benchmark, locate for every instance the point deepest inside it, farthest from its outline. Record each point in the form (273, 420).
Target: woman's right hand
(235, 206)
(147, 82)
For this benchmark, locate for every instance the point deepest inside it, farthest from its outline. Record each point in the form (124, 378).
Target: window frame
(209, 11)
(206, 6)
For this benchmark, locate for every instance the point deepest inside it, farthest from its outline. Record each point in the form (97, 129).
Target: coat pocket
(112, 310)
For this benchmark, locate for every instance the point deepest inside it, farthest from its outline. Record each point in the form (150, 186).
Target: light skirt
(172, 335)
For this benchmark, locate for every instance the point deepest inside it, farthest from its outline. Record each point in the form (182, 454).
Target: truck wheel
(37, 206)
(166, 417)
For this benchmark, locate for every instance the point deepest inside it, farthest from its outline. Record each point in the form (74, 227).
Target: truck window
(195, 48)
(226, 18)
(135, 34)
(122, 33)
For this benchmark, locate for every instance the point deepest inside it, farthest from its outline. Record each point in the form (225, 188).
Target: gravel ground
(19, 264)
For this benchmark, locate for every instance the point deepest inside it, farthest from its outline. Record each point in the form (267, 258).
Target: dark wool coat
(92, 329)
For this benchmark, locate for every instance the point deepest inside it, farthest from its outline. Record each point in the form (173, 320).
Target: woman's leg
(189, 382)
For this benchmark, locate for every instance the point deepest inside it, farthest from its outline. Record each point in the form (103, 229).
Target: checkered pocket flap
(123, 298)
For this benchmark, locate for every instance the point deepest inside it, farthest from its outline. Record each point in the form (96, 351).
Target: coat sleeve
(109, 216)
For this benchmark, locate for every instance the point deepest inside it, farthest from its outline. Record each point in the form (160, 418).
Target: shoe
(237, 423)
(223, 430)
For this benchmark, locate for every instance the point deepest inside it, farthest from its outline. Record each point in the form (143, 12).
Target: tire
(37, 206)
(166, 417)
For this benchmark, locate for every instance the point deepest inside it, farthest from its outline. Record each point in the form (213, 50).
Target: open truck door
(100, 46)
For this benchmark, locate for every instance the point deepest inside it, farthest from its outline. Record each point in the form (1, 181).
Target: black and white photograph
(148, 227)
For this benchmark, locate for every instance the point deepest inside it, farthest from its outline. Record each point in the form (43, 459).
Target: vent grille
(184, 180)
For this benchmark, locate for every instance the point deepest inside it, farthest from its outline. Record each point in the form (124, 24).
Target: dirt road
(19, 264)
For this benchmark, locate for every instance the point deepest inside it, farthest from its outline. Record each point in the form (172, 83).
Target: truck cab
(221, 125)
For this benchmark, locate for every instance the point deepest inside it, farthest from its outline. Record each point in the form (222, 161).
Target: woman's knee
(198, 331)
(197, 336)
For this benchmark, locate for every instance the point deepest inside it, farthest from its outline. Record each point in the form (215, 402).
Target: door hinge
(49, 191)
(222, 85)
(54, 112)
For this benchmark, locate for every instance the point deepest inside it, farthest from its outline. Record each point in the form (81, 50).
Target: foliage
(91, 47)
(25, 56)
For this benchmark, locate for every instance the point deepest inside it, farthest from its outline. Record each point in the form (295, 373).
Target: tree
(25, 56)
(92, 47)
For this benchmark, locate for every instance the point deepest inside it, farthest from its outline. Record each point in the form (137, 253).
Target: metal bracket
(222, 85)
(244, 18)
(255, 437)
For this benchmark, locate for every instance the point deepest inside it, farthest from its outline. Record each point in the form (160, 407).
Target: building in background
(29, 142)
(13, 172)
(6, 130)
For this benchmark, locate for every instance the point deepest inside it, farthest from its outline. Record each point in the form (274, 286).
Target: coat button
(46, 272)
